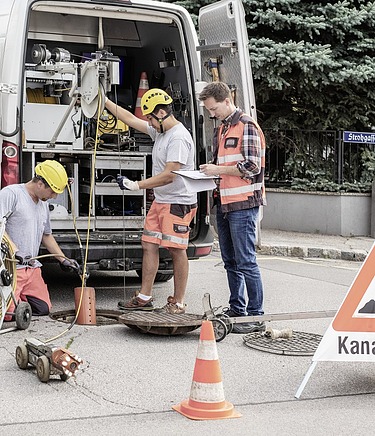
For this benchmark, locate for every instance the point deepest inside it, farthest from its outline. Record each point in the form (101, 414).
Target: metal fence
(308, 154)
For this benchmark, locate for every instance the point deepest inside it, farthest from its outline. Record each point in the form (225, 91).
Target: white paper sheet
(195, 181)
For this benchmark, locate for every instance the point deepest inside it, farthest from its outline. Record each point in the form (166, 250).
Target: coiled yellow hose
(9, 264)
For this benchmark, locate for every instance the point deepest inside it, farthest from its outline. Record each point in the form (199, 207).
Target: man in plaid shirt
(239, 161)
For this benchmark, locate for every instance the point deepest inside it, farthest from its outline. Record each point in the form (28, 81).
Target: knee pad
(38, 307)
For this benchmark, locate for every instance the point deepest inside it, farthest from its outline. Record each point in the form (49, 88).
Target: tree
(313, 62)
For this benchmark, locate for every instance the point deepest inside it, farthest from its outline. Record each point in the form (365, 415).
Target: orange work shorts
(30, 283)
(168, 225)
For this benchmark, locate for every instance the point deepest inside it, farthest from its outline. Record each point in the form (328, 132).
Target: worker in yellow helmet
(28, 226)
(168, 220)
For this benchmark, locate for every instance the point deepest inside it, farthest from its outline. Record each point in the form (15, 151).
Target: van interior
(144, 45)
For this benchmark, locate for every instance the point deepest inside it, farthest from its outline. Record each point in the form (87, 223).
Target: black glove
(70, 265)
(24, 260)
(19, 259)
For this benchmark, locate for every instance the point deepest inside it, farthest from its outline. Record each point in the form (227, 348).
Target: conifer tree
(313, 61)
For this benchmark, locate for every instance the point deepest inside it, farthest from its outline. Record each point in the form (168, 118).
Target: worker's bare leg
(150, 265)
(180, 272)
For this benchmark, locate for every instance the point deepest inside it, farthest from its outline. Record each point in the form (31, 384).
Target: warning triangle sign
(357, 312)
(351, 335)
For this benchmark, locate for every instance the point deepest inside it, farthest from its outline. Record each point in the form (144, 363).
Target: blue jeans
(237, 237)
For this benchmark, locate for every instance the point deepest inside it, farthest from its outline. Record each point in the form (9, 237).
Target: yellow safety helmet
(54, 174)
(152, 98)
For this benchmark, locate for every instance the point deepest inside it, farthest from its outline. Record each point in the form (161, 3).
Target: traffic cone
(143, 87)
(207, 399)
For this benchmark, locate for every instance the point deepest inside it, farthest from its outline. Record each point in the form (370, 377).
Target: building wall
(323, 213)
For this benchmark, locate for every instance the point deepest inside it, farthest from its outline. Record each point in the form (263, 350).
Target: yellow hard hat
(152, 98)
(54, 174)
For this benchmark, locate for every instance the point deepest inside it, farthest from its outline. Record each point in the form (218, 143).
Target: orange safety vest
(237, 193)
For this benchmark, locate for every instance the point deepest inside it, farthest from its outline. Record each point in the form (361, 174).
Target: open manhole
(103, 317)
(161, 323)
(300, 344)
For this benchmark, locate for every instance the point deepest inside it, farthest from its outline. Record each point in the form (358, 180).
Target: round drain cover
(300, 344)
(103, 317)
(161, 323)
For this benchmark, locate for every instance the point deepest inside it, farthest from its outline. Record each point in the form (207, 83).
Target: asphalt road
(130, 380)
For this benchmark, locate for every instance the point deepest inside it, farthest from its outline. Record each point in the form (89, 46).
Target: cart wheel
(64, 377)
(22, 356)
(225, 318)
(43, 368)
(220, 329)
(23, 315)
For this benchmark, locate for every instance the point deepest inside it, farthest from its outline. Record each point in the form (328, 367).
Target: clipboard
(196, 181)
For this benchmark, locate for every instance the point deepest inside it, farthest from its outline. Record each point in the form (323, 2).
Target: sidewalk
(281, 243)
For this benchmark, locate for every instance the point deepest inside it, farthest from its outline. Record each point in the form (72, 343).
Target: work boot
(231, 313)
(172, 307)
(249, 327)
(136, 303)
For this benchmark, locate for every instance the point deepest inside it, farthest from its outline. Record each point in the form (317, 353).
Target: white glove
(125, 183)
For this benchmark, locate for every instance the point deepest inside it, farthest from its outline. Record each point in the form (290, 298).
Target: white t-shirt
(174, 145)
(28, 222)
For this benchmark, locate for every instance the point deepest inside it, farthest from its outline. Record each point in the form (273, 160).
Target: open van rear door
(223, 46)
(224, 50)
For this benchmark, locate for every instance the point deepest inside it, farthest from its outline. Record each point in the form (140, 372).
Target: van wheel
(160, 277)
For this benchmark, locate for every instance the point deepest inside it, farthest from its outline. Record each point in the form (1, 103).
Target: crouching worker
(28, 226)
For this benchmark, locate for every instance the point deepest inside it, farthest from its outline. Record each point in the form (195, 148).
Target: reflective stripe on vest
(244, 189)
(222, 160)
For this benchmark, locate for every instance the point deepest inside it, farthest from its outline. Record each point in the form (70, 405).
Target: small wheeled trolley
(47, 359)
(223, 324)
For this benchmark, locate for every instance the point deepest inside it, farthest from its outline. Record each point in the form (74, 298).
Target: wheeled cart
(223, 324)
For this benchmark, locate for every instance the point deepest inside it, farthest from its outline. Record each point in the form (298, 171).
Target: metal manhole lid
(160, 319)
(103, 317)
(161, 323)
(300, 344)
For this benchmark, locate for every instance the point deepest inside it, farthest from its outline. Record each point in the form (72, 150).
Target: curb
(312, 252)
(306, 252)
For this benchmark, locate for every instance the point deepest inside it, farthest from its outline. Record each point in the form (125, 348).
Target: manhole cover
(103, 317)
(161, 323)
(300, 344)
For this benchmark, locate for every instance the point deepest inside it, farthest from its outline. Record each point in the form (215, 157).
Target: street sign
(359, 137)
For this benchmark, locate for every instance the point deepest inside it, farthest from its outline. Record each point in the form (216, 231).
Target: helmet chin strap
(161, 120)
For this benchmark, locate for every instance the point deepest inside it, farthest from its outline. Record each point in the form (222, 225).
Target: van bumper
(111, 252)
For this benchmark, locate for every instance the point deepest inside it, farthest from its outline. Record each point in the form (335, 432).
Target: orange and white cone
(207, 399)
(143, 87)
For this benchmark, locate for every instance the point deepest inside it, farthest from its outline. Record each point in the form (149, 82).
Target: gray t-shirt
(174, 145)
(28, 222)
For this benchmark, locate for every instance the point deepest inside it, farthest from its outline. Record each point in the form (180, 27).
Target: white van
(58, 58)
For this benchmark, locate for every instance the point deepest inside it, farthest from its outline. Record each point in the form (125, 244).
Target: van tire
(160, 277)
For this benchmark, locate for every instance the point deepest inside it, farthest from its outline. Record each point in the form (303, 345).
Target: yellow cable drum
(7, 259)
